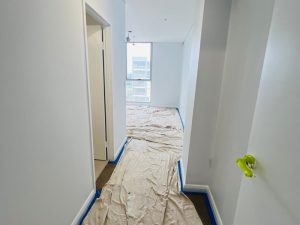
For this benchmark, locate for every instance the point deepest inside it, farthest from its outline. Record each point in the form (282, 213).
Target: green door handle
(246, 164)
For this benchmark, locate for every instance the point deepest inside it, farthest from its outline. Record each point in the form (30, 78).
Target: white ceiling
(159, 20)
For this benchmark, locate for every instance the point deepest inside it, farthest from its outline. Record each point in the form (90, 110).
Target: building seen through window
(138, 84)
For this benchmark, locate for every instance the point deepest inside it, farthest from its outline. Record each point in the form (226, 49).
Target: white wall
(202, 122)
(221, 120)
(247, 38)
(45, 157)
(226, 88)
(273, 196)
(190, 61)
(166, 74)
(190, 58)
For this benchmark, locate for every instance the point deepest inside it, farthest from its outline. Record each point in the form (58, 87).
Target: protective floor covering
(144, 187)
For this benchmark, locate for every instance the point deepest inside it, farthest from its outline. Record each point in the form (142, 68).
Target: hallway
(211, 91)
(144, 187)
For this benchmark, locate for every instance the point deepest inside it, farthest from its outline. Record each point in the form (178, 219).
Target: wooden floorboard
(200, 206)
(105, 175)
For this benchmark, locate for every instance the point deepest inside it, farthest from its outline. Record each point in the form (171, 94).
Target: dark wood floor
(198, 199)
(105, 175)
(201, 207)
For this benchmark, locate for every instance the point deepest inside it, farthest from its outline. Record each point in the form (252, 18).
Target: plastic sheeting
(144, 188)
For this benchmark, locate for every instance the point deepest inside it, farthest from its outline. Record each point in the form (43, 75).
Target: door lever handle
(247, 164)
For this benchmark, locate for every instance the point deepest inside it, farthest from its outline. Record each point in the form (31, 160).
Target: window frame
(148, 80)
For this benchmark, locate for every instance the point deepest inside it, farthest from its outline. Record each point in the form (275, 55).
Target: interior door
(97, 91)
(273, 196)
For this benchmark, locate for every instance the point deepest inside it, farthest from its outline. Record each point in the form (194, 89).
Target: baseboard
(196, 188)
(214, 208)
(84, 208)
(205, 189)
(119, 153)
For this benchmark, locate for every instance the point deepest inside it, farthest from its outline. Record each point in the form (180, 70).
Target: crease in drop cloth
(144, 188)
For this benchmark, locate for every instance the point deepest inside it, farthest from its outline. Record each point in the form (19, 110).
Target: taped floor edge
(97, 195)
(181, 120)
(120, 153)
(207, 202)
(98, 191)
(144, 187)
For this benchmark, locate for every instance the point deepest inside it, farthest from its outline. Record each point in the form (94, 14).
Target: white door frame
(88, 9)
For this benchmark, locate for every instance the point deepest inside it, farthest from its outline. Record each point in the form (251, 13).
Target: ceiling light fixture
(128, 39)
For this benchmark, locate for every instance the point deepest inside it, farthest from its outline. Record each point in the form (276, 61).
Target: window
(138, 84)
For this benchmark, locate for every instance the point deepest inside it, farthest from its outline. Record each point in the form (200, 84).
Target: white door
(273, 197)
(96, 79)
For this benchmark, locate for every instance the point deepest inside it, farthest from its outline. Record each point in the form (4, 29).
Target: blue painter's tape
(210, 211)
(180, 118)
(206, 199)
(97, 195)
(98, 192)
(180, 176)
(207, 203)
(120, 153)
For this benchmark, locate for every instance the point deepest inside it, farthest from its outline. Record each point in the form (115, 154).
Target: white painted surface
(219, 139)
(247, 38)
(146, 19)
(208, 85)
(222, 119)
(166, 74)
(45, 157)
(117, 152)
(84, 207)
(96, 87)
(113, 11)
(190, 60)
(273, 196)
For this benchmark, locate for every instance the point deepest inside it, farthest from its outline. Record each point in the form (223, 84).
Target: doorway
(97, 93)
